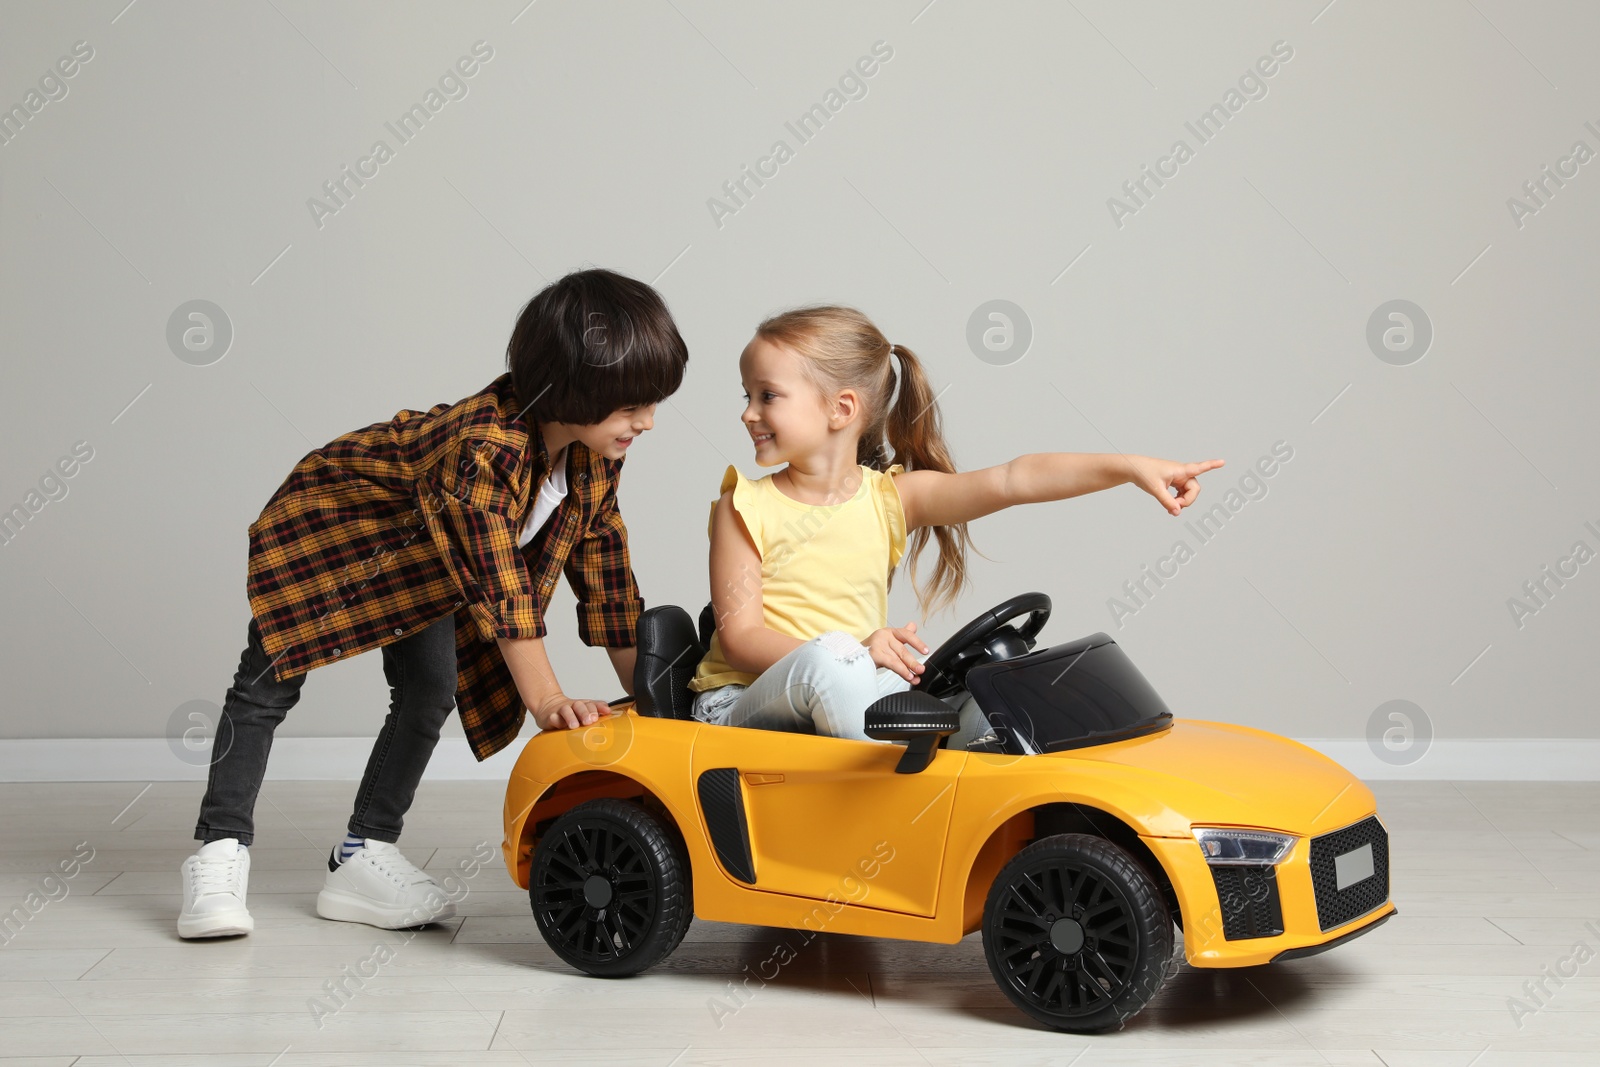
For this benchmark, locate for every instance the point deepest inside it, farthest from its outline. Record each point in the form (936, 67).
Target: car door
(826, 818)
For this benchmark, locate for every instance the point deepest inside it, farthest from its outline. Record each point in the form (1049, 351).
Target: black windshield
(1085, 692)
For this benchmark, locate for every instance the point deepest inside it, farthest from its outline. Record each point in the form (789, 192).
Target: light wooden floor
(1494, 881)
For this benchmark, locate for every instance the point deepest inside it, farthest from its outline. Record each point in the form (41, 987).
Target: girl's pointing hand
(1155, 476)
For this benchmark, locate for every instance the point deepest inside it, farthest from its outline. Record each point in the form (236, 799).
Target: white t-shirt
(551, 493)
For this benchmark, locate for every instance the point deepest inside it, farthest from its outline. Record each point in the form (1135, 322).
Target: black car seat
(670, 648)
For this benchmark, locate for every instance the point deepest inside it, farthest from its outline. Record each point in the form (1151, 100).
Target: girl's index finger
(908, 635)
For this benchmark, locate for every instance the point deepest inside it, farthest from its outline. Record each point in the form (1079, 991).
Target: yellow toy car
(1073, 834)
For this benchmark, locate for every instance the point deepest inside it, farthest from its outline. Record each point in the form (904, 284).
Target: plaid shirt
(387, 529)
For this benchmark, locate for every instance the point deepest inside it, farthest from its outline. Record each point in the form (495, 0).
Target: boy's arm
(470, 516)
(747, 644)
(931, 498)
(468, 510)
(622, 661)
(540, 692)
(600, 572)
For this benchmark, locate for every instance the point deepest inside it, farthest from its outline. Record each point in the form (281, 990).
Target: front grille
(1249, 899)
(1336, 906)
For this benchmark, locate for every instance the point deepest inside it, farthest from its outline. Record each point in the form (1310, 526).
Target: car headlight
(1226, 847)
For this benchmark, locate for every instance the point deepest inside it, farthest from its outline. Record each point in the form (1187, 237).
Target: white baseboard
(344, 758)
(152, 759)
(1477, 760)
(1491, 759)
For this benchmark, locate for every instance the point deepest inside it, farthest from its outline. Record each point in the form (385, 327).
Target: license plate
(1352, 867)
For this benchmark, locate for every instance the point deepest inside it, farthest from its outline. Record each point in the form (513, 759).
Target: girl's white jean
(823, 687)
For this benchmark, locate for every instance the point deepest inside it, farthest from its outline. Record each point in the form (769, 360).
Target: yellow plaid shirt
(386, 529)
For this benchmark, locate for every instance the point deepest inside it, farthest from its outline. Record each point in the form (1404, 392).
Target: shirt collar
(539, 456)
(516, 420)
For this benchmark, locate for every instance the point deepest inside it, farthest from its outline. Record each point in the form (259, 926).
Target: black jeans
(421, 669)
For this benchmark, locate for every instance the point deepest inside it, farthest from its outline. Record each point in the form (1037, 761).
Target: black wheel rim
(1064, 939)
(569, 886)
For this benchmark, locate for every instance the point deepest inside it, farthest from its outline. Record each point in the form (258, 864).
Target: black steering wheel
(986, 639)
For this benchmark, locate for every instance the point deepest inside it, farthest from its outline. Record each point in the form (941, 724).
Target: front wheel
(1076, 933)
(610, 888)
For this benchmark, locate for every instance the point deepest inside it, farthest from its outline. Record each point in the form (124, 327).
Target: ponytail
(842, 349)
(915, 432)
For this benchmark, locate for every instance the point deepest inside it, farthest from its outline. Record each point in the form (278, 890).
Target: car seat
(670, 648)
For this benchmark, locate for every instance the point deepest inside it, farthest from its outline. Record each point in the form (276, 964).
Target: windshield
(1085, 692)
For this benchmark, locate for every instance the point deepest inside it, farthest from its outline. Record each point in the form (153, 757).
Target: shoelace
(397, 868)
(216, 875)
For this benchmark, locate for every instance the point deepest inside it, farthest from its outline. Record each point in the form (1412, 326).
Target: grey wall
(1226, 313)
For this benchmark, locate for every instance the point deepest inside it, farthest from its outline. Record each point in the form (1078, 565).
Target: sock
(348, 847)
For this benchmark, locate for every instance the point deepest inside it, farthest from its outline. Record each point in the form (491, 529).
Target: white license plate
(1352, 867)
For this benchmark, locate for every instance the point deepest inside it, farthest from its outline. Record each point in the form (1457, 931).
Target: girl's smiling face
(785, 413)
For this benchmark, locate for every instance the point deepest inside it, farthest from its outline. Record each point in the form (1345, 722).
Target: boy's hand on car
(561, 712)
(1159, 477)
(888, 648)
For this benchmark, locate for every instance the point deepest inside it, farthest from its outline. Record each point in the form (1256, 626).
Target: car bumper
(1312, 950)
(1243, 917)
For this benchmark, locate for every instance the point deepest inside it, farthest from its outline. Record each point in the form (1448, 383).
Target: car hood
(1220, 774)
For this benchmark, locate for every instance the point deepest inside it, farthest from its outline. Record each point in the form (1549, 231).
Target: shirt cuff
(611, 623)
(513, 618)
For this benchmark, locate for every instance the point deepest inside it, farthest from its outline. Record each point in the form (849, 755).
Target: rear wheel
(610, 888)
(1076, 933)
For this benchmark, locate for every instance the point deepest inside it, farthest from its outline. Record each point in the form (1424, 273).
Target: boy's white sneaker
(214, 883)
(380, 887)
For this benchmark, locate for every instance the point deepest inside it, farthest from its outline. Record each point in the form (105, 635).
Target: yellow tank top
(823, 567)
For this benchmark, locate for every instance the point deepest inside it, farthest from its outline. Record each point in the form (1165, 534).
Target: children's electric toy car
(1073, 833)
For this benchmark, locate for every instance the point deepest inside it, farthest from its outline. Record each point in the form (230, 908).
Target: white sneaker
(380, 887)
(214, 884)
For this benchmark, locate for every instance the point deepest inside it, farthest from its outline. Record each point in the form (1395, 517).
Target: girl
(801, 560)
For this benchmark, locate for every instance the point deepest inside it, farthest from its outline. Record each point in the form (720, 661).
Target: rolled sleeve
(468, 504)
(601, 576)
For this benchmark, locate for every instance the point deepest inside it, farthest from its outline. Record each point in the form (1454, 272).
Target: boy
(438, 537)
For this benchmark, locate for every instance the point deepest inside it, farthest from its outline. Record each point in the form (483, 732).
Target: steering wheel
(987, 638)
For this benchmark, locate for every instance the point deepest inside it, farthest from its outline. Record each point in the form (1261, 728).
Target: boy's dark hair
(590, 343)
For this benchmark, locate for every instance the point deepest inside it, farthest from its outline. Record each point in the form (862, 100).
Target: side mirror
(920, 720)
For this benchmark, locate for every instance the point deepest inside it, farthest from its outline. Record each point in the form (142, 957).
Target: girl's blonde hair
(841, 349)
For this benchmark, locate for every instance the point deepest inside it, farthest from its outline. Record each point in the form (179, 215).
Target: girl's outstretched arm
(931, 498)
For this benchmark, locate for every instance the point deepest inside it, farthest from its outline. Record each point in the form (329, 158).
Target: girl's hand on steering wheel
(888, 648)
(1159, 477)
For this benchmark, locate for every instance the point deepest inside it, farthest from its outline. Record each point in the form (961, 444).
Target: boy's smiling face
(612, 437)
